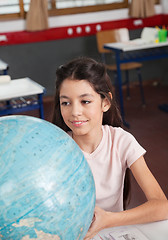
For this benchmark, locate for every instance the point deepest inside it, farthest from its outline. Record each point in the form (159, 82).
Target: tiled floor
(149, 125)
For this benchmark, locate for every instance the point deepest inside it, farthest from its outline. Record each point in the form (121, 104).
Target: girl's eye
(65, 103)
(85, 102)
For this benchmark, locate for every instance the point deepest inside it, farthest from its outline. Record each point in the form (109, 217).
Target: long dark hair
(95, 73)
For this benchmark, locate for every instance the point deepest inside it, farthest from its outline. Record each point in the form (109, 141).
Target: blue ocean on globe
(47, 189)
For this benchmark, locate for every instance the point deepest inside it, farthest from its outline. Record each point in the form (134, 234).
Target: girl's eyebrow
(63, 97)
(86, 95)
(81, 96)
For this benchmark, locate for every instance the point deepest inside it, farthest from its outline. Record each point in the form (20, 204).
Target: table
(150, 231)
(21, 95)
(3, 67)
(133, 51)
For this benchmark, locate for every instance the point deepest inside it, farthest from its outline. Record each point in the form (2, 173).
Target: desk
(21, 95)
(150, 231)
(132, 51)
(3, 67)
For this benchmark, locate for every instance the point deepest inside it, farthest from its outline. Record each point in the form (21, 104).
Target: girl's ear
(106, 103)
(110, 94)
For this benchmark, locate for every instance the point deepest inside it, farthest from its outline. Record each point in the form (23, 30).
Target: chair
(118, 35)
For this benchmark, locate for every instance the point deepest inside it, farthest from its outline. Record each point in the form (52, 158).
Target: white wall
(75, 19)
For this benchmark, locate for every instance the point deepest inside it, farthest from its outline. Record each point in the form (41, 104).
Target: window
(18, 8)
(11, 8)
(79, 3)
(61, 7)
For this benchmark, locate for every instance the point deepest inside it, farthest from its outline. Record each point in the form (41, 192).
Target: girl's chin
(79, 132)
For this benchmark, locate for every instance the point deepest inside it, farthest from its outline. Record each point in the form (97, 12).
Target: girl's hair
(95, 73)
(84, 68)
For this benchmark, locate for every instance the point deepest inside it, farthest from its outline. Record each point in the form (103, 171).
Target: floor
(149, 125)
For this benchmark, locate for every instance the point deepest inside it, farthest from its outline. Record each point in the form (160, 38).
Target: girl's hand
(99, 223)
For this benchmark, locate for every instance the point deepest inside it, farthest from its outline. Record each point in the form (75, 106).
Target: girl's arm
(155, 209)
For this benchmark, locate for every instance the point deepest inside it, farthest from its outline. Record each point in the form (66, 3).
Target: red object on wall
(81, 30)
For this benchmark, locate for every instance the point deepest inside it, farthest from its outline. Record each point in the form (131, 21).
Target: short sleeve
(129, 148)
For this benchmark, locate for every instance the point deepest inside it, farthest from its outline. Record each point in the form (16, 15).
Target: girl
(86, 109)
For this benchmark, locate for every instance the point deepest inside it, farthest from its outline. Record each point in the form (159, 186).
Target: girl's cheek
(64, 114)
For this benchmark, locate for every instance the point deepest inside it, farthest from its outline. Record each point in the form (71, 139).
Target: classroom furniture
(163, 107)
(3, 67)
(126, 52)
(21, 95)
(150, 231)
(119, 35)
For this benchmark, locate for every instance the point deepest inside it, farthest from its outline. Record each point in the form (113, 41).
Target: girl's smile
(78, 123)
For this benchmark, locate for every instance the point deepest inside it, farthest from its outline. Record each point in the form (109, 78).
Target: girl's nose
(76, 109)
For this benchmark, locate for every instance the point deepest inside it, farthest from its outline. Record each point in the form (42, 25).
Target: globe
(47, 189)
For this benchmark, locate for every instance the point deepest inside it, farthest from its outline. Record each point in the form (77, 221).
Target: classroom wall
(39, 60)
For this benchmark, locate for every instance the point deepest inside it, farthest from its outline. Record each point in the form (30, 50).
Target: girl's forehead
(76, 85)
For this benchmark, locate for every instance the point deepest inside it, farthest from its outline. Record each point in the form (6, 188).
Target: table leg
(164, 107)
(119, 85)
(41, 110)
(5, 71)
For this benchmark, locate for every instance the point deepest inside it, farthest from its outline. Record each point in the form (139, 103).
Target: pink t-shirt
(117, 150)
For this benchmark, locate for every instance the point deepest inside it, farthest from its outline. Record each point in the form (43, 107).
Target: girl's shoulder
(124, 143)
(115, 131)
(119, 136)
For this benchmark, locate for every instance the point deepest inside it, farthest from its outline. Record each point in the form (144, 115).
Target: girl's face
(81, 107)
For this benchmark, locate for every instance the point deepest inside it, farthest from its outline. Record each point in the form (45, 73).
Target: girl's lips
(78, 123)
